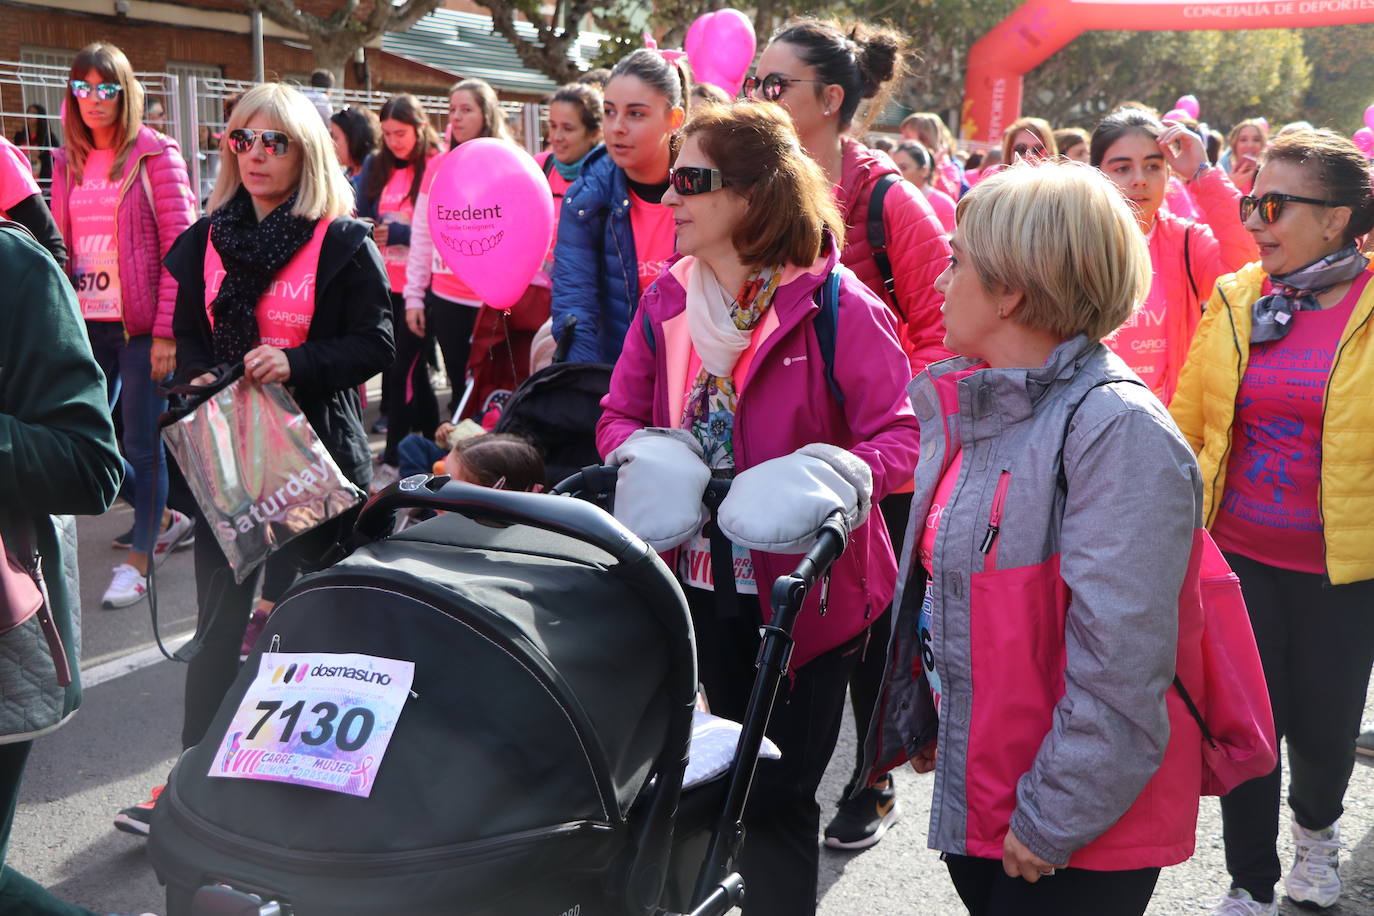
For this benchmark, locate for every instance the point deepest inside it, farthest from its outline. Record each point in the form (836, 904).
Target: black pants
(1316, 643)
(223, 607)
(866, 682)
(987, 891)
(411, 406)
(781, 855)
(451, 324)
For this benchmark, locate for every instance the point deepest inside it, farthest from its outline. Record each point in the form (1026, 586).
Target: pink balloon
(1369, 117)
(1364, 140)
(1189, 105)
(1177, 114)
(720, 47)
(491, 217)
(1264, 122)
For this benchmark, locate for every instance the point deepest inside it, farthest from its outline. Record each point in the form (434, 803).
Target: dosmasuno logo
(297, 672)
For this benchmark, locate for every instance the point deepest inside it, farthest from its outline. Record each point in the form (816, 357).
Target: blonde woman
(120, 197)
(280, 278)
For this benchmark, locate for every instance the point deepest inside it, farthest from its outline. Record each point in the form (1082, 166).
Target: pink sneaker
(252, 632)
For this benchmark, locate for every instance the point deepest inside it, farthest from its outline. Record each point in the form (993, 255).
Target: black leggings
(451, 324)
(1316, 642)
(781, 856)
(411, 405)
(987, 891)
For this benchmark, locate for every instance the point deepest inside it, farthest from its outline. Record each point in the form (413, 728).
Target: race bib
(925, 630)
(316, 719)
(97, 285)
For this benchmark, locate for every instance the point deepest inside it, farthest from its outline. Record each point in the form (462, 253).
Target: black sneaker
(135, 819)
(123, 541)
(863, 819)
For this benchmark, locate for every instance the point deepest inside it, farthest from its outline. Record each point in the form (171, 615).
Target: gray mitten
(779, 505)
(659, 485)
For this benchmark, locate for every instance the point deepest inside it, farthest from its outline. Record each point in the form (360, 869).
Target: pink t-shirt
(655, 238)
(95, 252)
(1143, 341)
(395, 206)
(443, 280)
(1269, 510)
(285, 310)
(944, 207)
(16, 176)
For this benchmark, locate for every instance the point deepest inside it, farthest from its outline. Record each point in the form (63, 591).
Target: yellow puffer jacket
(1205, 408)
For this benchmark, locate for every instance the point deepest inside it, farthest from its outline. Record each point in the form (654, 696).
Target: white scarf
(717, 341)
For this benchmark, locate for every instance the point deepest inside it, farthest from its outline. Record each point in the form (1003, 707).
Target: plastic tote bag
(257, 469)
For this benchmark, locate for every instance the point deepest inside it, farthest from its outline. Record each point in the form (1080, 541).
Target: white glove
(778, 506)
(659, 485)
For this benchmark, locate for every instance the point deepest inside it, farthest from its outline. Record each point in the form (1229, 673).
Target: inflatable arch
(998, 60)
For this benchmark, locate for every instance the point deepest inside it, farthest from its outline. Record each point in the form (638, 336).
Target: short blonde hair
(322, 192)
(1061, 234)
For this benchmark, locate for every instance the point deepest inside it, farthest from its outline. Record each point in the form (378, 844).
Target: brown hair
(756, 149)
(501, 460)
(407, 109)
(1066, 138)
(493, 121)
(1340, 168)
(1234, 134)
(586, 98)
(1038, 126)
(113, 66)
(865, 61)
(932, 131)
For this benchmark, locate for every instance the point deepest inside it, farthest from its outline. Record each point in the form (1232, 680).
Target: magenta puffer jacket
(151, 216)
(784, 404)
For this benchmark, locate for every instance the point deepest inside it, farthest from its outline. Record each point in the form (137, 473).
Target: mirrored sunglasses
(691, 179)
(275, 142)
(771, 87)
(1270, 205)
(103, 91)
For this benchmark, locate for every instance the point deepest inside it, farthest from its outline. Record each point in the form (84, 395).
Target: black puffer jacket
(350, 338)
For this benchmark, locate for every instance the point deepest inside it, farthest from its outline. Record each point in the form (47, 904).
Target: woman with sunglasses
(819, 74)
(1027, 139)
(388, 188)
(615, 234)
(1139, 154)
(279, 278)
(734, 377)
(437, 302)
(121, 197)
(1275, 399)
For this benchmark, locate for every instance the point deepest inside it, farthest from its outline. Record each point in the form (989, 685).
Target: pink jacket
(150, 217)
(786, 403)
(916, 245)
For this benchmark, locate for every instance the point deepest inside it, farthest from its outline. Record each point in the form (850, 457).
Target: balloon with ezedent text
(491, 218)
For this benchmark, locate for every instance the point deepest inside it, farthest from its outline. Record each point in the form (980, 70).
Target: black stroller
(537, 765)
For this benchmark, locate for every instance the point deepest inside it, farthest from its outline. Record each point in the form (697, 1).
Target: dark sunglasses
(772, 86)
(275, 142)
(1022, 149)
(694, 179)
(103, 91)
(1271, 205)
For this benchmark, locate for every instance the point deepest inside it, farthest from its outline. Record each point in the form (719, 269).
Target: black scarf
(252, 253)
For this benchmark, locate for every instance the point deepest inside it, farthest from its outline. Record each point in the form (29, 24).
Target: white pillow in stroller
(659, 485)
(778, 506)
(713, 748)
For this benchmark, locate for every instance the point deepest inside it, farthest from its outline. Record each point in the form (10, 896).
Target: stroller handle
(570, 517)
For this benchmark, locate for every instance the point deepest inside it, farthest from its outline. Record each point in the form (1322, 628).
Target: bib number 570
(351, 732)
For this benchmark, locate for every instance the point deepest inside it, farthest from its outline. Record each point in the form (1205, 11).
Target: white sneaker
(1314, 878)
(176, 535)
(1239, 903)
(127, 587)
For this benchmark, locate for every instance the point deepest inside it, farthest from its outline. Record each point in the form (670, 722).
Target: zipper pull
(988, 539)
(275, 644)
(825, 593)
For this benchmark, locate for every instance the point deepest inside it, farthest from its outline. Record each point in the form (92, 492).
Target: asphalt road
(125, 739)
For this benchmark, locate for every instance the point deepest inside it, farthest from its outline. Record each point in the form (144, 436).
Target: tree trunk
(335, 53)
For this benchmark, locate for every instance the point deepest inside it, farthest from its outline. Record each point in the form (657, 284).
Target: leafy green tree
(1342, 76)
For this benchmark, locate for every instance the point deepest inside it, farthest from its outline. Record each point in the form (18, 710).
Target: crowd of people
(1038, 367)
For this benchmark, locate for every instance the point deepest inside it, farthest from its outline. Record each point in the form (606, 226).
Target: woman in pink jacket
(724, 358)
(1138, 153)
(121, 196)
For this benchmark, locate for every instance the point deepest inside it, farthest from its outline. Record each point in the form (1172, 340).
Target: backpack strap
(827, 326)
(1188, 260)
(548, 165)
(877, 238)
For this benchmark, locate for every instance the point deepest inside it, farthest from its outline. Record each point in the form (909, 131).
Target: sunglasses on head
(771, 87)
(694, 179)
(1271, 205)
(275, 142)
(1022, 149)
(103, 91)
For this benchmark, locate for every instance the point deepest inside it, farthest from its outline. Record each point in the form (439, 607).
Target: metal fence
(193, 114)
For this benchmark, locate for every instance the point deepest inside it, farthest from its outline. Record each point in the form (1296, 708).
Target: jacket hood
(859, 167)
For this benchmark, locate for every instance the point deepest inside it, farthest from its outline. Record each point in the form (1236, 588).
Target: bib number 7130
(346, 736)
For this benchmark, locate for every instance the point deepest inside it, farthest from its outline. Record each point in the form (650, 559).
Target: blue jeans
(128, 368)
(416, 454)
